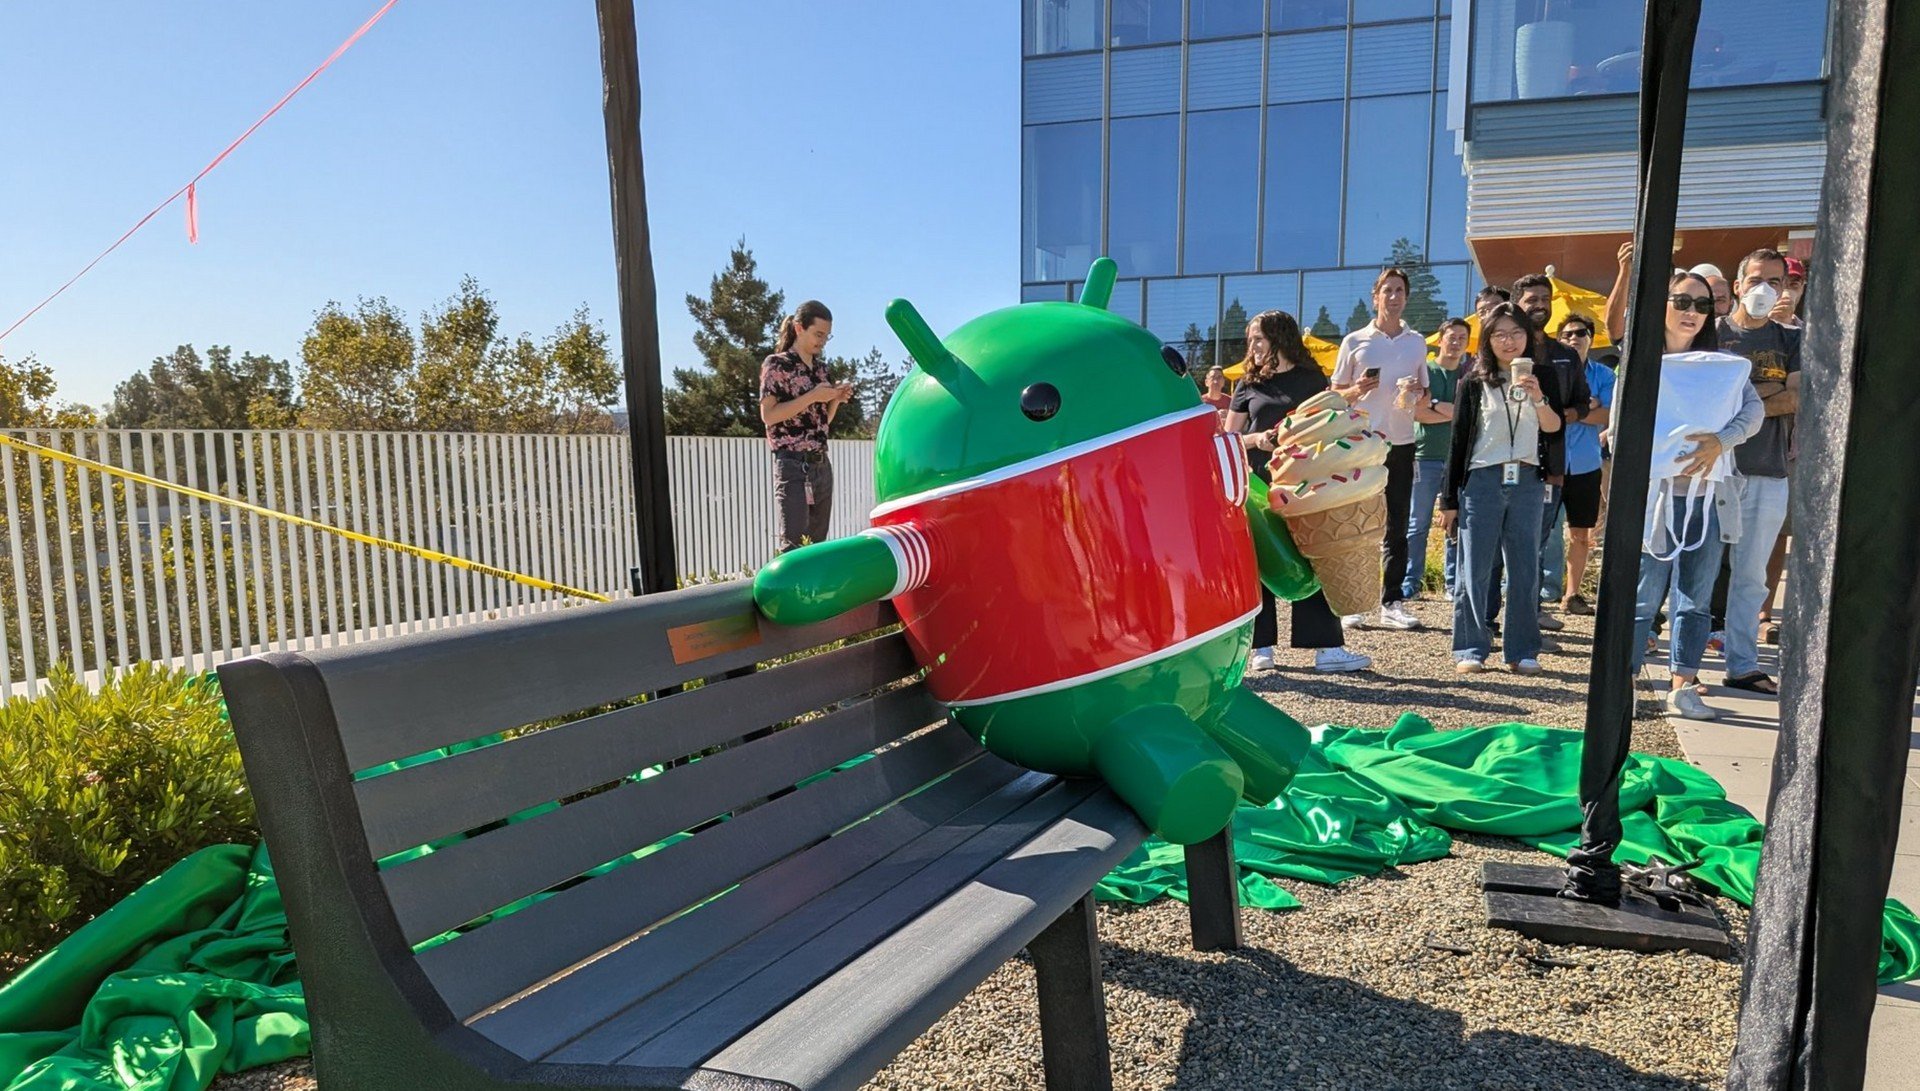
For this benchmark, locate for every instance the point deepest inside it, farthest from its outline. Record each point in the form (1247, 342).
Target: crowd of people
(1510, 440)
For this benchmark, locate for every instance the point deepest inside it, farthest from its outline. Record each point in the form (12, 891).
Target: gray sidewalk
(1738, 750)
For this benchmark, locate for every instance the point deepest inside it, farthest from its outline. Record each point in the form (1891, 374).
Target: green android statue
(1076, 553)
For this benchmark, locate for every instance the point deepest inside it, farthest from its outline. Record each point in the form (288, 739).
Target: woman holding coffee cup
(1495, 494)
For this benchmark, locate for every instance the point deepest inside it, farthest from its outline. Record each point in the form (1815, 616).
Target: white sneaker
(1469, 664)
(1685, 703)
(1395, 615)
(1262, 660)
(1352, 621)
(1527, 666)
(1335, 660)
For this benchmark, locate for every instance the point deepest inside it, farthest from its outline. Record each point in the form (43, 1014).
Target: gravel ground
(1384, 982)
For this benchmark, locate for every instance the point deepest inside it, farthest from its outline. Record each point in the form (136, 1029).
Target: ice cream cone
(1343, 542)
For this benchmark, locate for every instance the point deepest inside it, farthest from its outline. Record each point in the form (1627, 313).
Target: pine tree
(738, 322)
(1323, 326)
(1425, 308)
(1362, 314)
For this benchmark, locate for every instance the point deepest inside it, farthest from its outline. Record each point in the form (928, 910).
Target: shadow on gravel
(1260, 1021)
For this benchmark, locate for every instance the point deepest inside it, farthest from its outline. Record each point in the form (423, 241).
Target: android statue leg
(1265, 742)
(1180, 782)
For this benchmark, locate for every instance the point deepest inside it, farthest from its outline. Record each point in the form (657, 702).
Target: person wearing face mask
(1761, 463)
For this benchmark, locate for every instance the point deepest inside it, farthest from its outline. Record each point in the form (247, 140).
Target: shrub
(100, 792)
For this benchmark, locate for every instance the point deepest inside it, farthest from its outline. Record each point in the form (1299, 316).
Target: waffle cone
(1344, 545)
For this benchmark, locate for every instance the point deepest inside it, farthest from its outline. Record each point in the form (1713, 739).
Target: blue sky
(864, 148)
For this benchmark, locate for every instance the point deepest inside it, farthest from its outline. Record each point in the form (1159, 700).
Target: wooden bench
(758, 913)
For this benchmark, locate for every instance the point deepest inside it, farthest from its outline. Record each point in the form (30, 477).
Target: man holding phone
(798, 400)
(1382, 370)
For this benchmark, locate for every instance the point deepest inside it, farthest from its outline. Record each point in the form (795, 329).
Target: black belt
(815, 457)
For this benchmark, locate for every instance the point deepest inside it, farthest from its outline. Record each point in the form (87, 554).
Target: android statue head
(1019, 382)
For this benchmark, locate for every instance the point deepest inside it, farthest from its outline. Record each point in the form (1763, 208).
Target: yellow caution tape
(300, 521)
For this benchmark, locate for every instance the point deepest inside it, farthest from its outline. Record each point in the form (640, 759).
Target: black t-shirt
(1268, 401)
(1775, 353)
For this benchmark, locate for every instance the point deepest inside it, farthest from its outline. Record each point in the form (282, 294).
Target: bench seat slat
(391, 696)
(859, 862)
(456, 884)
(477, 970)
(703, 1011)
(839, 1033)
(436, 799)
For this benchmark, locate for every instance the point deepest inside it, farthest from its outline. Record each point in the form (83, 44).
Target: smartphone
(1373, 373)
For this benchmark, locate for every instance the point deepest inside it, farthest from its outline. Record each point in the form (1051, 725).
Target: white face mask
(1759, 300)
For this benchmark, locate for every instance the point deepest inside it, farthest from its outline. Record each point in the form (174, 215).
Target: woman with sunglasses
(1686, 530)
(1496, 494)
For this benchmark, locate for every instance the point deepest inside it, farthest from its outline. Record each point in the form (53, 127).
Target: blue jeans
(1689, 578)
(1553, 547)
(1429, 477)
(1499, 520)
(1763, 509)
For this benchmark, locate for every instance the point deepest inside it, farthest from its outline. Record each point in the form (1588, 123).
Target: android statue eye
(1174, 360)
(1040, 401)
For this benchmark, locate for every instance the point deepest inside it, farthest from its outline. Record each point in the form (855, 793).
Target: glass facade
(1235, 156)
(1534, 49)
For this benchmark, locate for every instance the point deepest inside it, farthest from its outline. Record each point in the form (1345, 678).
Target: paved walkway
(1738, 750)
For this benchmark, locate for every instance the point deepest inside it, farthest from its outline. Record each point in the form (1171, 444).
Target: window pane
(1060, 26)
(1334, 304)
(1443, 54)
(1302, 195)
(1307, 67)
(1447, 218)
(1759, 41)
(1186, 314)
(1220, 18)
(1042, 293)
(1126, 300)
(1061, 88)
(1143, 200)
(1139, 22)
(1300, 14)
(1223, 74)
(1393, 60)
(1146, 81)
(1223, 180)
(1374, 11)
(1387, 174)
(1245, 297)
(1060, 214)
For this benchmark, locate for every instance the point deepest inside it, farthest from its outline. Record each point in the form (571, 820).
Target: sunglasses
(1701, 303)
(1575, 332)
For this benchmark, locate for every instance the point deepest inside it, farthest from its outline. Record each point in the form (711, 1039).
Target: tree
(1361, 315)
(1323, 326)
(737, 324)
(456, 385)
(1425, 309)
(358, 368)
(874, 382)
(26, 397)
(586, 382)
(1233, 339)
(180, 390)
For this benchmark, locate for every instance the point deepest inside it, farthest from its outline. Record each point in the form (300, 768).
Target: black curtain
(1852, 635)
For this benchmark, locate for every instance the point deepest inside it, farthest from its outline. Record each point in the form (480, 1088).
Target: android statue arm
(1283, 569)
(822, 580)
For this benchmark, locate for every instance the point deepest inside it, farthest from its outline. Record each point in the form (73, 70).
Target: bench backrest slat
(481, 968)
(411, 694)
(465, 880)
(466, 790)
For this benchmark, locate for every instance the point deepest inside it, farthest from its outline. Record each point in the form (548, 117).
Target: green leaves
(101, 792)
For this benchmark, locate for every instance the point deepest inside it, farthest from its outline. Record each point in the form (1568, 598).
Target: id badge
(809, 490)
(1510, 473)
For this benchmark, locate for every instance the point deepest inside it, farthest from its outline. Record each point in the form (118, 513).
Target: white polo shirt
(1403, 354)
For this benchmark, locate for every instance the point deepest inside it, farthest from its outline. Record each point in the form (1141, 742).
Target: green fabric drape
(192, 975)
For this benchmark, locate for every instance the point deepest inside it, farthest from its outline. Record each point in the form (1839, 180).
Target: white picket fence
(97, 573)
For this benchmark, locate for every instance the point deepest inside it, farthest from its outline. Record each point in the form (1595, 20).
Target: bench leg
(1073, 1009)
(1213, 893)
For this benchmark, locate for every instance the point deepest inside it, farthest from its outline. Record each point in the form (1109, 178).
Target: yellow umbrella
(1473, 336)
(1324, 354)
(1568, 298)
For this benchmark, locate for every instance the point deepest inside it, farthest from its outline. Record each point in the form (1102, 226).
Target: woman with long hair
(1706, 391)
(1495, 493)
(1280, 375)
(797, 404)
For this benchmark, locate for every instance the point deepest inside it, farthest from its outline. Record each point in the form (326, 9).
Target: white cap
(1707, 270)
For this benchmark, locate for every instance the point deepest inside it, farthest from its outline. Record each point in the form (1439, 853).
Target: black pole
(1666, 58)
(1852, 634)
(639, 325)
